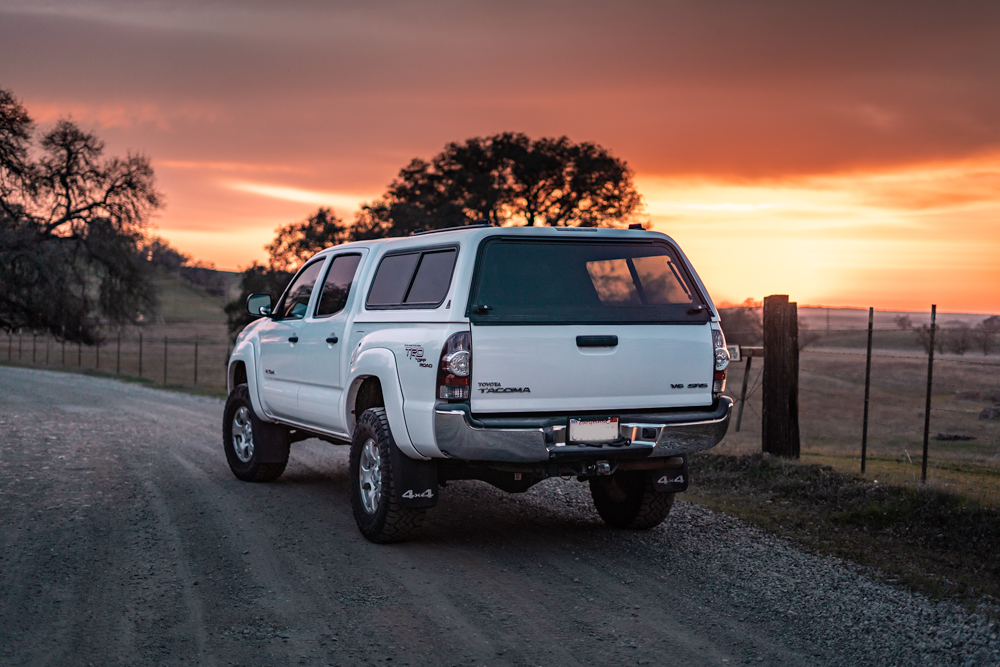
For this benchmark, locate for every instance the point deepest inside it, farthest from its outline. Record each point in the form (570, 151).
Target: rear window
(568, 282)
(412, 280)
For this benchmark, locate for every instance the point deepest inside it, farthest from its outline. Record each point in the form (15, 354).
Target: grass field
(831, 407)
(188, 315)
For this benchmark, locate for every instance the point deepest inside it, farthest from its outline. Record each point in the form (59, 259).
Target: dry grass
(831, 410)
(935, 541)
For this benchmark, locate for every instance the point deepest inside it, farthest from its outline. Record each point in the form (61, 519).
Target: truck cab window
(293, 305)
(337, 285)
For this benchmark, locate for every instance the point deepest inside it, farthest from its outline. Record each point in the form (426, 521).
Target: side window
(413, 280)
(337, 285)
(433, 278)
(293, 305)
(391, 279)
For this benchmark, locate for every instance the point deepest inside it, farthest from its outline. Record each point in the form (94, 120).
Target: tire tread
(392, 523)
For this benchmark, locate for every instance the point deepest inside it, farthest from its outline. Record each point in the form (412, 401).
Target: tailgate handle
(596, 341)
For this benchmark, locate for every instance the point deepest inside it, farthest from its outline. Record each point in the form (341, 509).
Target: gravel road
(125, 540)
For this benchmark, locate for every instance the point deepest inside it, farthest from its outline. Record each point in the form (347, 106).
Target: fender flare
(381, 363)
(245, 352)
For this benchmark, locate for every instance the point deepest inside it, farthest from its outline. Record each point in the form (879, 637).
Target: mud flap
(416, 482)
(671, 481)
(270, 441)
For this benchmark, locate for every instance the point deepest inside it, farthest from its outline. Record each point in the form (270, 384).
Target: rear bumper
(543, 439)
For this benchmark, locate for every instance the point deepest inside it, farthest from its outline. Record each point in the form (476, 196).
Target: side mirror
(259, 305)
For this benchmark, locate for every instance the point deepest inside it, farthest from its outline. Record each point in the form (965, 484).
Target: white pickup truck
(507, 355)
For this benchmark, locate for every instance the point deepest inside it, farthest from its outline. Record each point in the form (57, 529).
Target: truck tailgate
(577, 368)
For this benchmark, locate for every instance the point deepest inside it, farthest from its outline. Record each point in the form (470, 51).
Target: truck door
(279, 340)
(323, 347)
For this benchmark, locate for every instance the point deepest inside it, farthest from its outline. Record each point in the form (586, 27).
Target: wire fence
(162, 355)
(964, 444)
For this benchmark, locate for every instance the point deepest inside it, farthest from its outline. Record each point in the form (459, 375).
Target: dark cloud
(732, 89)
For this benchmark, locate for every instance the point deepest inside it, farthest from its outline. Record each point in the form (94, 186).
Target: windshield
(570, 282)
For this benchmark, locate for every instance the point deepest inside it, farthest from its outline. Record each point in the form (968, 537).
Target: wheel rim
(243, 434)
(370, 476)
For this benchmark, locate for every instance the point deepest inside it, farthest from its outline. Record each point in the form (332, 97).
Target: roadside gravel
(124, 540)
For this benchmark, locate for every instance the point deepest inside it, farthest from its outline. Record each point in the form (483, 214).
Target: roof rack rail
(481, 223)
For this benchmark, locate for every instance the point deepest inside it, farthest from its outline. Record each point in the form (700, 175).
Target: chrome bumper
(536, 440)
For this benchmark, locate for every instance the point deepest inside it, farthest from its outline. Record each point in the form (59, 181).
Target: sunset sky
(845, 153)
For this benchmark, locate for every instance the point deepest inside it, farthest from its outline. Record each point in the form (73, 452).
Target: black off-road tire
(628, 500)
(388, 522)
(249, 470)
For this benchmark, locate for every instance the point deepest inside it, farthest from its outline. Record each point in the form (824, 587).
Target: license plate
(593, 430)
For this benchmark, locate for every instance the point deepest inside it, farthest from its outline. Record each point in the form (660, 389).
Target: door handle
(293, 339)
(596, 341)
(332, 339)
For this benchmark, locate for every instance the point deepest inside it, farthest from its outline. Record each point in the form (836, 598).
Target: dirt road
(125, 540)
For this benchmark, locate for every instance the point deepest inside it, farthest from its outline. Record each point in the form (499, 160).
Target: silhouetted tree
(957, 337)
(296, 242)
(71, 229)
(922, 336)
(507, 179)
(986, 331)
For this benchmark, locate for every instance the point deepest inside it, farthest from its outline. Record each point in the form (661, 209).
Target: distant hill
(182, 300)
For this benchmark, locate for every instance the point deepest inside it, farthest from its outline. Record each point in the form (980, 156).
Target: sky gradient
(845, 154)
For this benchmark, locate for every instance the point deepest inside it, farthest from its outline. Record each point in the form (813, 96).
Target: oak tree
(72, 229)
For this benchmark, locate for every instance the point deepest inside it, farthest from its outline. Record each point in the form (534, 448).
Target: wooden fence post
(780, 416)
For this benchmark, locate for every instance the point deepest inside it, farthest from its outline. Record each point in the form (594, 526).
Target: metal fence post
(19, 336)
(34, 338)
(97, 363)
(164, 360)
(47, 341)
(196, 360)
(118, 359)
(927, 405)
(140, 352)
(743, 392)
(79, 354)
(10, 345)
(64, 349)
(868, 384)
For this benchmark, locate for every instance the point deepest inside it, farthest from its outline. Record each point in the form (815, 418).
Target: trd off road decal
(497, 388)
(416, 352)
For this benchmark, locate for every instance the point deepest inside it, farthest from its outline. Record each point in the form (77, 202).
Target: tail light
(719, 382)
(455, 368)
(721, 360)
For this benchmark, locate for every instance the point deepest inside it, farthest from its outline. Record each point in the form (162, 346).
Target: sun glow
(895, 240)
(337, 200)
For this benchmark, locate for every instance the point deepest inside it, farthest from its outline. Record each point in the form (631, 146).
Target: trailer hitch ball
(602, 468)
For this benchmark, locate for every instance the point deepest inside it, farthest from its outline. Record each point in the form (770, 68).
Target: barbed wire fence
(161, 355)
(964, 415)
